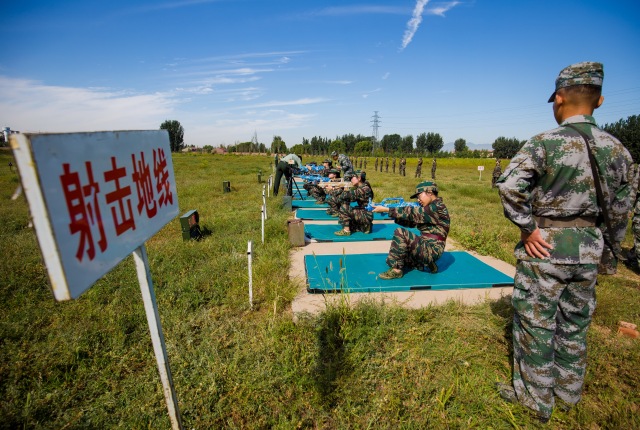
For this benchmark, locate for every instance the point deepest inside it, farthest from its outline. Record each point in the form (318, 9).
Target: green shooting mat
(358, 273)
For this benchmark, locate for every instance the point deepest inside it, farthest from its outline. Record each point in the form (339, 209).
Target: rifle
(392, 202)
(314, 178)
(341, 184)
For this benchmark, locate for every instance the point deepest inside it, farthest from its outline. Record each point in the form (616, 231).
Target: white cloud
(299, 102)
(414, 23)
(416, 18)
(30, 106)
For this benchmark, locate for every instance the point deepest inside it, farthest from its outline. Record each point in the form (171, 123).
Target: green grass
(89, 363)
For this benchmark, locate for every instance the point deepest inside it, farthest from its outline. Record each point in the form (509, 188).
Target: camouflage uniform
(312, 187)
(635, 225)
(550, 181)
(365, 164)
(386, 165)
(433, 169)
(497, 171)
(394, 165)
(345, 164)
(403, 166)
(356, 218)
(376, 165)
(419, 168)
(411, 250)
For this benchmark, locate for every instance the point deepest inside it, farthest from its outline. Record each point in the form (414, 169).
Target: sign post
(480, 169)
(95, 198)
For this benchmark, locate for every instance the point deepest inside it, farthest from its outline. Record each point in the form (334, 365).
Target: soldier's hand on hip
(534, 244)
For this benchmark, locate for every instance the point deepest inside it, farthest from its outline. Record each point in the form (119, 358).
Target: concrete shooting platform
(308, 303)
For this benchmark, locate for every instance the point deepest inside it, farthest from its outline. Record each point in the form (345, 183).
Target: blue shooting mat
(358, 273)
(315, 215)
(325, 233)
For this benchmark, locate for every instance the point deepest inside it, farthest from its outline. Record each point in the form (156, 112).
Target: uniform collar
(579, 119)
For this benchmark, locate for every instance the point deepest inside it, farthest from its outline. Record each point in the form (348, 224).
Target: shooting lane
(331, 268)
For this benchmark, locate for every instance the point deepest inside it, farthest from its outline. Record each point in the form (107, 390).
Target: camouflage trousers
(418, 171)
(433, 173)
(315, 191)
(356, 218)
(332, 201)
(553, 305)
(409, 249)
(635, 226)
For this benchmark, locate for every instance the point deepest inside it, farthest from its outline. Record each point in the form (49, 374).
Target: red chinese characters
(114, 194)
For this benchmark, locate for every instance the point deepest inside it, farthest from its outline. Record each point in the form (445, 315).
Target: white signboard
(94, 199)
(480, 168)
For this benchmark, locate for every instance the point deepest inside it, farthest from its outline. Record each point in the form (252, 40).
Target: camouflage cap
(585, 73)
(425, 186)
(352, 174)
(328, 161)
(335, 171)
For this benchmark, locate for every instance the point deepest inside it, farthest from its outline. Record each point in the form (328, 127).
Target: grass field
(89, 363)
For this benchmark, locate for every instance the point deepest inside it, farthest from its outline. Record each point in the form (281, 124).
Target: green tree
(363, 147)
(421, 143)
(390, 143)
(506, 148)
(460, 145)
(406, 146)
(278, 145)
(337, 145)
(434, 143)
(176, 134)
(628, 132)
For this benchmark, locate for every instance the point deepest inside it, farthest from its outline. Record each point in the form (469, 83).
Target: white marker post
(157, 337)
(480, 169)
(264, 202)
(95, 198)
(249, 256)
(263, 217)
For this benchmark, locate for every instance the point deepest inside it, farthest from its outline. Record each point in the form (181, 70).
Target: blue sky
(229, 69)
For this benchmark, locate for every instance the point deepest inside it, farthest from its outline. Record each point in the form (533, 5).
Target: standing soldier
(419, 168)
(497, 171)
(343, 162)
(550, 192)
(361, 163)
(365, 163)
(433, 169)
(394, 164)
(635, 225)
(376, 165)
(386, 166)
(403, 166)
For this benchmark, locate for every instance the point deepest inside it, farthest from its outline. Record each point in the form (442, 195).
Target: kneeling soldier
(408, 249)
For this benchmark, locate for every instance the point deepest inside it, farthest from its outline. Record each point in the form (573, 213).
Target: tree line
(626, 130)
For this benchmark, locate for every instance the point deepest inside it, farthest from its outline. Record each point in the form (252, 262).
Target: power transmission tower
(376, 123)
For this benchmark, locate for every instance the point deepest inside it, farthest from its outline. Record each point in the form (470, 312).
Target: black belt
(569, 221)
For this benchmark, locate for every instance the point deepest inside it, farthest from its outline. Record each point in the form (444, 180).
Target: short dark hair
(583, 93)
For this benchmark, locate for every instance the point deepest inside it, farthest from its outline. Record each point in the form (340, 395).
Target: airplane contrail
(414, 23)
